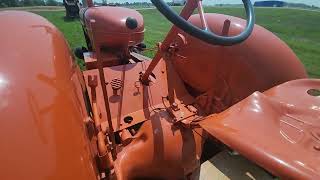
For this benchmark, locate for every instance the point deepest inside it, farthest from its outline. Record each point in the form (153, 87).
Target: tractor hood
(113, 26)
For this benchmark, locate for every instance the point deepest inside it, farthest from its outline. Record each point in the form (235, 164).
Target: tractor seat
(278, 129)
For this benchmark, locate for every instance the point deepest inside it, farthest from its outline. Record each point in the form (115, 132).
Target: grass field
(300, 29)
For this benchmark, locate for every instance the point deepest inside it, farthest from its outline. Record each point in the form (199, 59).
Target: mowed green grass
(300, 29)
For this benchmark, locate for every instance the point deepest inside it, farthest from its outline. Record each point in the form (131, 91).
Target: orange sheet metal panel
(110, 26)
(42, 134)
(279, 129)
(259, 63)
(132, 98)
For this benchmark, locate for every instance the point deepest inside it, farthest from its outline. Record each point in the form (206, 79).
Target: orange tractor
(215, 79)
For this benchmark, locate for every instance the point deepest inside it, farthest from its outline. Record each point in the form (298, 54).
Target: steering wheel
(204, 34)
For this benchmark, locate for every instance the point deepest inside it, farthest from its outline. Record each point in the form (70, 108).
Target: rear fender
(42, 109)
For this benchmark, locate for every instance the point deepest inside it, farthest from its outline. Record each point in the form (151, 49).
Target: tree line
(17, 3)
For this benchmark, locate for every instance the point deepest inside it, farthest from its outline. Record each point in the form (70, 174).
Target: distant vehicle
(72, 8)
(269, 4)
(178, 2)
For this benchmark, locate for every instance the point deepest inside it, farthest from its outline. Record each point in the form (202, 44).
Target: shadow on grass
(70, 19)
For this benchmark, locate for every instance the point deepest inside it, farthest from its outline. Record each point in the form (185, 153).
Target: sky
(212, 2)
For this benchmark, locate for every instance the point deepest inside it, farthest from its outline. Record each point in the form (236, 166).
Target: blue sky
(309, 2)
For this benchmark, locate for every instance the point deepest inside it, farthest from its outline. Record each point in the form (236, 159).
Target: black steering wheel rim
(207, 36)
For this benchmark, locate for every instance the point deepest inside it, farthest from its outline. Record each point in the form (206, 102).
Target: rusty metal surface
(278, 129)
(42, 110)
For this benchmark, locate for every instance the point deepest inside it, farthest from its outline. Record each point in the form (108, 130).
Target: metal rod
(106, 103)
(102, 147)
(226, 27)
(105, 93)
(185, 13)
(202, 17)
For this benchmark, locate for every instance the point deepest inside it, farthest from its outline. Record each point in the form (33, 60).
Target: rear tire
(86, 37)
(78, 52)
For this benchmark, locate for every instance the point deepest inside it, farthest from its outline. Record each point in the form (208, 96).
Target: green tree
(52, 3)
(27, 2)
(39, 2)
(3, 5)
(9, 3)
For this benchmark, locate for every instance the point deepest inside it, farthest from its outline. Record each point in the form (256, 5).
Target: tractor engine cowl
(113, 27)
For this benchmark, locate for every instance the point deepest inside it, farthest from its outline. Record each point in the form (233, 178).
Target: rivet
(174, 105)
(316, 147)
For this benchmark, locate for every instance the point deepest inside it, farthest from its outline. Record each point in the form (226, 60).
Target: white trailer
(178, 2)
